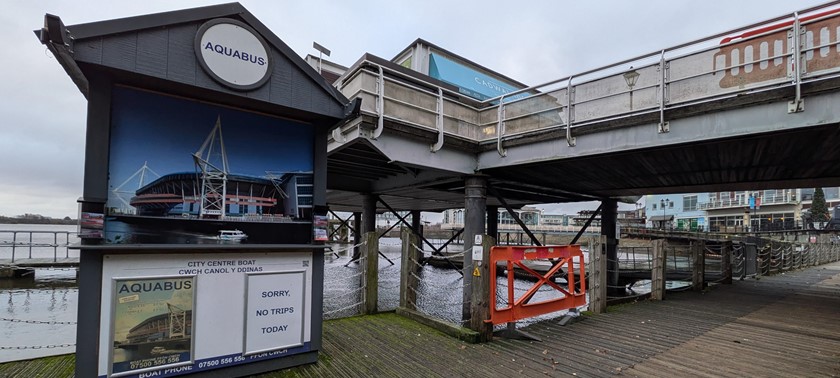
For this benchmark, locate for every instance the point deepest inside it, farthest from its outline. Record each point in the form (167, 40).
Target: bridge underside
(722, 146)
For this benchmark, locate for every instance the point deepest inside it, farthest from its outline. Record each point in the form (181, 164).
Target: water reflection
(39, 312)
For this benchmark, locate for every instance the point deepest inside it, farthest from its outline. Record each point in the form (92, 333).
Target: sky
(43, 113)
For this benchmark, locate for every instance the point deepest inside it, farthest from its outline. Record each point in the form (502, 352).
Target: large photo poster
(152, 323)
(184, 171)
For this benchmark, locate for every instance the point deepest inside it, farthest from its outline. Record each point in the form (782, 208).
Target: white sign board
(233, 54)
(275, 312)
(210, 298)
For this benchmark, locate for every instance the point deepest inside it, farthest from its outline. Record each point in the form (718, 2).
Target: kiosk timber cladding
(210, 266)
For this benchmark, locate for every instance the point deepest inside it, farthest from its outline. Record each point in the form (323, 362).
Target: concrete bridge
(747, 109)
(752, 108)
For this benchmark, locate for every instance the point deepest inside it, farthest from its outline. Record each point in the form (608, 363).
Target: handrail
(500, 127)
(672, 48)
(796, 104)
(27, 242)
(569, 140)
(663, 77)
(439, 121)
(380, 104)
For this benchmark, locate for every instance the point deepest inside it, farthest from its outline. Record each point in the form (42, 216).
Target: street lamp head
(631, 77)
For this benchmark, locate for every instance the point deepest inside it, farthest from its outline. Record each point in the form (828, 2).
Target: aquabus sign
(233, 54)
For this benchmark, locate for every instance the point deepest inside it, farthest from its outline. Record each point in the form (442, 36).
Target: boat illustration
(232, 235)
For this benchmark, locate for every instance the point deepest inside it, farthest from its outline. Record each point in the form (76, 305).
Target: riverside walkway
(782, 325)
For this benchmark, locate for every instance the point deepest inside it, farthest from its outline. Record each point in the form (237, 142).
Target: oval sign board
(233, 54)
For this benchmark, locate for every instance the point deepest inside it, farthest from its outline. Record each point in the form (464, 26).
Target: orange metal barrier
(566, 256)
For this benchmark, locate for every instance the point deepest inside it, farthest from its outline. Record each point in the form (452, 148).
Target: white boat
(231, 235)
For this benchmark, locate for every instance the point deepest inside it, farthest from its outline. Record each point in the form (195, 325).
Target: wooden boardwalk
(784, 325)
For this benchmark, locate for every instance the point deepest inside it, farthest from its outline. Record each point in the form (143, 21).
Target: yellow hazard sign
(476, 273)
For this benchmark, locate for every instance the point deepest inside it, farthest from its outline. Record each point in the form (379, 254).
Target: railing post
(698, 265)
(439, 122)
(570, 140)
(14, 245)
(598, 277)
(380, 104)
(410, 269)
(55, 246)
(500, 127)
(726, 261)
(657, 274)
(664, 126)
(797, 105)
(371, 255)
(480, 304)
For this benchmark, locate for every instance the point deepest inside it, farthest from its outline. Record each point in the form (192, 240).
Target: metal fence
(16, 244)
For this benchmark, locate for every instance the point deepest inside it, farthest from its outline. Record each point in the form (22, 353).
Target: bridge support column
(609, 219)
(357, 235)
(726, 261)
(475, 209)
(698, 265)
(493, 221)
(598, 278)
(410, 267)
(657, 274)
(369, 213)
(416, 222)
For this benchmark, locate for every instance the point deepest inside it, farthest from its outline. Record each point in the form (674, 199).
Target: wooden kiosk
(204, 194)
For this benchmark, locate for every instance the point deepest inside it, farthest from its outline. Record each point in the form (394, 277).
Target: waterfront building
(735, 211)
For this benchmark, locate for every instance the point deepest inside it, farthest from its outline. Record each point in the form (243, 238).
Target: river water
(37, 318)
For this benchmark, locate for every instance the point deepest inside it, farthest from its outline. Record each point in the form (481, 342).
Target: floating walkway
(783, 325)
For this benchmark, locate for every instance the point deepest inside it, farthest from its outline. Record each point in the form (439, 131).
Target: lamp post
(664, 202)
(321, 51)
(630, 77)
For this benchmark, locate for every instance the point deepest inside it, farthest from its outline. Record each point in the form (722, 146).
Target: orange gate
(568, 256)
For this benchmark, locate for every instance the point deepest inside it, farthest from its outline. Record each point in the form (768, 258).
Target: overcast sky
(43, 114)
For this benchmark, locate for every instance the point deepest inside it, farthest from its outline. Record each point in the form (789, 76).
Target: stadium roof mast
(121, 194)
(213, 178)
(177, 321)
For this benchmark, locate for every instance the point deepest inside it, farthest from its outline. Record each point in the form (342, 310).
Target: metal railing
(763, 57)
(744, 201)
(16, 244)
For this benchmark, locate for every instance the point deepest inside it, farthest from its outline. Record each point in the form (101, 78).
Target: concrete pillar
(597, 277)
(416, 223)
(357, 235)
(409, 269)
(609, 219)
(698, 265)
(657, 274)
(475, 209)
(369, 213)
(493, 221)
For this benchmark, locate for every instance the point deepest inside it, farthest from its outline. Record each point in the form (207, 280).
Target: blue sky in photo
(165, 131)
